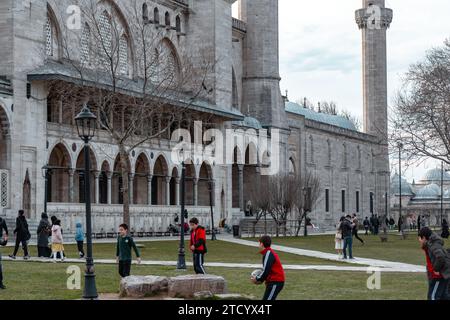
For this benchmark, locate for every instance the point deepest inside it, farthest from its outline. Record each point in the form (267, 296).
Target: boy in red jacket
(198, 245)
(273, 272)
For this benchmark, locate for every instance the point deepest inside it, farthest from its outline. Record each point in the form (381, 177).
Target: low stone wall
(107, 218)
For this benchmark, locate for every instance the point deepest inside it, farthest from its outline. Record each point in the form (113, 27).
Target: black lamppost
(211, 190)
(442, 190)
(86, 123)
(400, 146)
(46, 176)
(181, 264)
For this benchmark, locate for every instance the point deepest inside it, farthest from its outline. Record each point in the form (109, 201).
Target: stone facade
(245, 90)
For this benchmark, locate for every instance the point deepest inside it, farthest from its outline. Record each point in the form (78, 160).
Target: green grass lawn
(396, 249)
(39, 281)
(218, 251)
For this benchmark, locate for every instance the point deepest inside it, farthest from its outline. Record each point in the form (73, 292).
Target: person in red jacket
(198, 245)
(273, 272)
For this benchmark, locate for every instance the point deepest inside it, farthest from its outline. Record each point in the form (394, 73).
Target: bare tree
(309, 185)
(420, 120)
(141, 89)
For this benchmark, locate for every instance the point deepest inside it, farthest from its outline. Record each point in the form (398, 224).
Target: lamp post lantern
(181, 264)
(86, 123)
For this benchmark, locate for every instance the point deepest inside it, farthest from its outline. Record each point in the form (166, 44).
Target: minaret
(261, 76)
(374, 19)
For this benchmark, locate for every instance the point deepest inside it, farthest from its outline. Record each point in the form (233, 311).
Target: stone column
(131, 187)
(109, 176)
(97, 186)
(71, 185)
(241, 186)
(149, 183)
(177, 191)
(168, 191)
(195, 191)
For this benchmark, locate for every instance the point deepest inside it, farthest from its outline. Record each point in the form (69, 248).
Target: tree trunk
(125, 171)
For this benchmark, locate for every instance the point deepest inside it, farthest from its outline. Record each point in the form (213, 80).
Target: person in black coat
(3, 240)
(445, 232)
(43, 232)
(22, 235)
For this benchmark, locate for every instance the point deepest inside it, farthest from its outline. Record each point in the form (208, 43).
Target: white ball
(256, 273)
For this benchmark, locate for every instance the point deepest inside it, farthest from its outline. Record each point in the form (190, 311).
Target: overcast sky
(320, 49)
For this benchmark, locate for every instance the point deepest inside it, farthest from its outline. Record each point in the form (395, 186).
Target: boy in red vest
(273, 272)
(198, 245)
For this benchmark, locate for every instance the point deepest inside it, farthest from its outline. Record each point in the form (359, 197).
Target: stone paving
(401, 267)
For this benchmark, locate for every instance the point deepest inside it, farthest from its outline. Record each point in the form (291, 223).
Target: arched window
(167, 19)
(156, 16)
(165, 65)
(145, 12)
(49, 37)
(85, 54)
(123, 54)
(178, 24)
(235, 98)
(105, 33)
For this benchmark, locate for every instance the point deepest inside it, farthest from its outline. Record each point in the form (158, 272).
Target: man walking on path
(438, 264)
(366, 225)
(198, 245)
(273, 272)
(3, 240)
(355, 228)
(22, 235)
(123, 251)
(347, 234)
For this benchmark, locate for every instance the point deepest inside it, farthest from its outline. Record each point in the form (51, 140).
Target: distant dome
(249, 122)
(395, 186)
(447, 194)
(431, 191)
(435, 175)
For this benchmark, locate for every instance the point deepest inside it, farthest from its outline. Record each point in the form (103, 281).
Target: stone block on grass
(186, 286)
(143, 286)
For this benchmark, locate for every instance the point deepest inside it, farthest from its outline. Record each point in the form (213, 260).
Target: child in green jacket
(123, 251)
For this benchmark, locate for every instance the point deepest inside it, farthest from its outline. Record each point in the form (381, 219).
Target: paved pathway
(220, 265)
(401, 267)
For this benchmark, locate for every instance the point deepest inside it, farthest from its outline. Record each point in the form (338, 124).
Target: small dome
(435, 175)
(447, 194)
(431, 191)
(406, 186)
(249, 122)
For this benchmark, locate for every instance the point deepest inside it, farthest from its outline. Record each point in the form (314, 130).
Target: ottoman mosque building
(244, 93)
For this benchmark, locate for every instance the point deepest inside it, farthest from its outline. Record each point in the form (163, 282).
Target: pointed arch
(205, 179)
(79, 182)
(140, 182)
(60, 164)
(178, 24)
(5, 139)
(156, 15)
(159, 182)
(117, 181)
(105, 175)
(145, 12)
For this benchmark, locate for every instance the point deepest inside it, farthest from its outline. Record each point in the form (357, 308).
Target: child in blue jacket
(79, 238)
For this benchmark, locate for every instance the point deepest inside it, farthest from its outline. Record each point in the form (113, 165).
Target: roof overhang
(56, 71)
